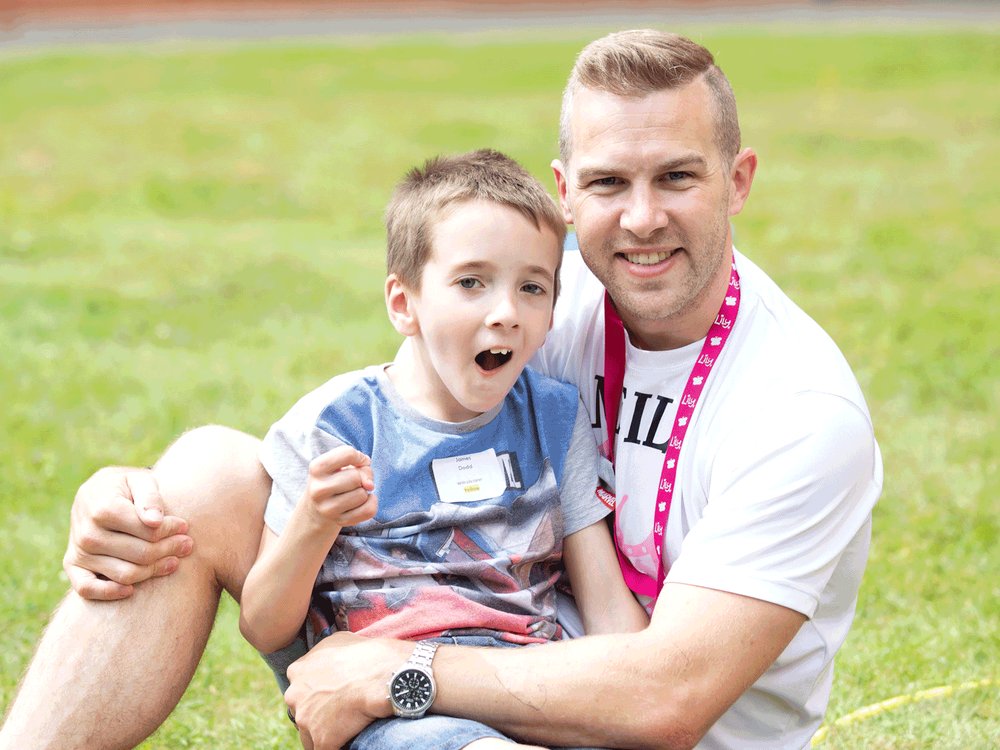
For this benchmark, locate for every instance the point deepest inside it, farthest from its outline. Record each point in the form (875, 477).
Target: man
(750, 542)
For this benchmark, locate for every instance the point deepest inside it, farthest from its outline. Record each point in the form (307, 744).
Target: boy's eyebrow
(541, 271)
(672, 165)
(476, 265)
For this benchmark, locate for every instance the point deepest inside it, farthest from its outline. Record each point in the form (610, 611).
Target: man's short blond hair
(644, 61)
(424, 196)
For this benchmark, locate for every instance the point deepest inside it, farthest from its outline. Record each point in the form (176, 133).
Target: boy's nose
(503, 314)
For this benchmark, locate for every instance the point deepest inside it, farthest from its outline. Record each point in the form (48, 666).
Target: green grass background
(191, 234)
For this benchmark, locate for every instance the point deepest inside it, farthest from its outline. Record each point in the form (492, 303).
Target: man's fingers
(171, 526)
(145, 496)
(96, 541)
(123, 518)
(126, 573)
(89, 586)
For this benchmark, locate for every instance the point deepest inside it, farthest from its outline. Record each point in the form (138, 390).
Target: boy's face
(482, 310)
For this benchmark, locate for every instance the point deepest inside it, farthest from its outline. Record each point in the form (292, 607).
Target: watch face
(411, 690)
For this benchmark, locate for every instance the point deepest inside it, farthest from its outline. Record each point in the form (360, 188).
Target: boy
(486, 471)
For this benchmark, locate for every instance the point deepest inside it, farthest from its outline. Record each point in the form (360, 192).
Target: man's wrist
(412, 688)
(394, 655)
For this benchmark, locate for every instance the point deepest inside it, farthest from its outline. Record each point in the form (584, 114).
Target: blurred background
(190, 232)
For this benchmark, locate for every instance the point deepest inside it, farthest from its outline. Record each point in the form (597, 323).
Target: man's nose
(643, 213)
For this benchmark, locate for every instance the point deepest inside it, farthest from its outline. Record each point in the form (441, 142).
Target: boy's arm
(278, 587)
(606, 605)
(605, 602)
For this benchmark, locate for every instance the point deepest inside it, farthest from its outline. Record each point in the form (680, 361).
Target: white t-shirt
(775, 482)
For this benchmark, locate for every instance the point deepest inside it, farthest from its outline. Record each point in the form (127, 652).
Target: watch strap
(423, 654)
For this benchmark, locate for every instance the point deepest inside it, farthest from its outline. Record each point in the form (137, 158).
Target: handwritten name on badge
(466, 479)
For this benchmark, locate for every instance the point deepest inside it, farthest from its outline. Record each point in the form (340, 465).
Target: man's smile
(648, 258)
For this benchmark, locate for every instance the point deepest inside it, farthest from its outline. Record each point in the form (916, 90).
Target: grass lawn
(193, 235)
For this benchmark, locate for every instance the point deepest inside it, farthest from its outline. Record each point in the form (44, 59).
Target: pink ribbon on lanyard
(614, 383)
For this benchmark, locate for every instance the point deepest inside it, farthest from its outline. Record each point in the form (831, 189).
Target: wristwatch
(412, 687)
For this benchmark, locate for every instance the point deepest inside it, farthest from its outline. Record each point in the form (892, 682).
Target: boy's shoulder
(545, 397)
(349, 390)
(534, 381)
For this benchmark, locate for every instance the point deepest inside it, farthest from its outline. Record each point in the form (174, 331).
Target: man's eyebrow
(676, 164)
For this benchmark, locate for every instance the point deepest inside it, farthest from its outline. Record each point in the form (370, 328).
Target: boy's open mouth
(491, 359)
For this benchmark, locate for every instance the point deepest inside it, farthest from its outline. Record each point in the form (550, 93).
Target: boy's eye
(469, 283)
(532, 288)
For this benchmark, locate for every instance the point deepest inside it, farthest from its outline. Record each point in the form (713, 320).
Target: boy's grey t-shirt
(468, 535)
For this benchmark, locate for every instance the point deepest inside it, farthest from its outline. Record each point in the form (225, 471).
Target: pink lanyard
(614, 381)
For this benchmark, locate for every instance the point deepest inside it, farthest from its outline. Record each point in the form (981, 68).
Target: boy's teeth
(499, 351)
(646, 259)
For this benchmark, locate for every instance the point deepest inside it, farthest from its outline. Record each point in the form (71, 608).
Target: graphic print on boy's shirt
(425, 563)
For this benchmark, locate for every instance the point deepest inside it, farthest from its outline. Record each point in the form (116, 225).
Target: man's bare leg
(107, 674)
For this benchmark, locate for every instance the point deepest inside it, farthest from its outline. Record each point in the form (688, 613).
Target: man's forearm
(542, 693)
(663, 687)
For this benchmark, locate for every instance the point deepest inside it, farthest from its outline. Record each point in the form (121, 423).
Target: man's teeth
(647, 259)
(499, 351)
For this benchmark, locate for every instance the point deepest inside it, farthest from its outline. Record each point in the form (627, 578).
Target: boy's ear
(398, 303)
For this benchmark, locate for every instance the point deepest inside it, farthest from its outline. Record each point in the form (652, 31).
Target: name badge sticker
(466, 479)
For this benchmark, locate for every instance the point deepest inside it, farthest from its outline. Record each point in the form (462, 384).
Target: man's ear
(744, 168)
(562, 175)
(399, 304)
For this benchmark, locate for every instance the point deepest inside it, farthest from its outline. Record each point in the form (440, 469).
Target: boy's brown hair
(421, 199)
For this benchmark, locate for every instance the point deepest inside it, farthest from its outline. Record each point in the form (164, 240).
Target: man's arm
(662, 687)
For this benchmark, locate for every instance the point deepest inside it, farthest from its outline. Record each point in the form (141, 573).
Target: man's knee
(212, 478)
(209, 468)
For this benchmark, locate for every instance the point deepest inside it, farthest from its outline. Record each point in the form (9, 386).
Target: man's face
(651, 197)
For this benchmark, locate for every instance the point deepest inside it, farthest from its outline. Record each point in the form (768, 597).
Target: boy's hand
(339, 488)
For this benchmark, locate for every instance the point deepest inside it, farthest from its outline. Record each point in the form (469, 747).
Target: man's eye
(605, 181)
(677, 176)
(468, 283)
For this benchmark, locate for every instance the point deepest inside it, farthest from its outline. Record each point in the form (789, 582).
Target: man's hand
(341, 686)
(119, 535)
